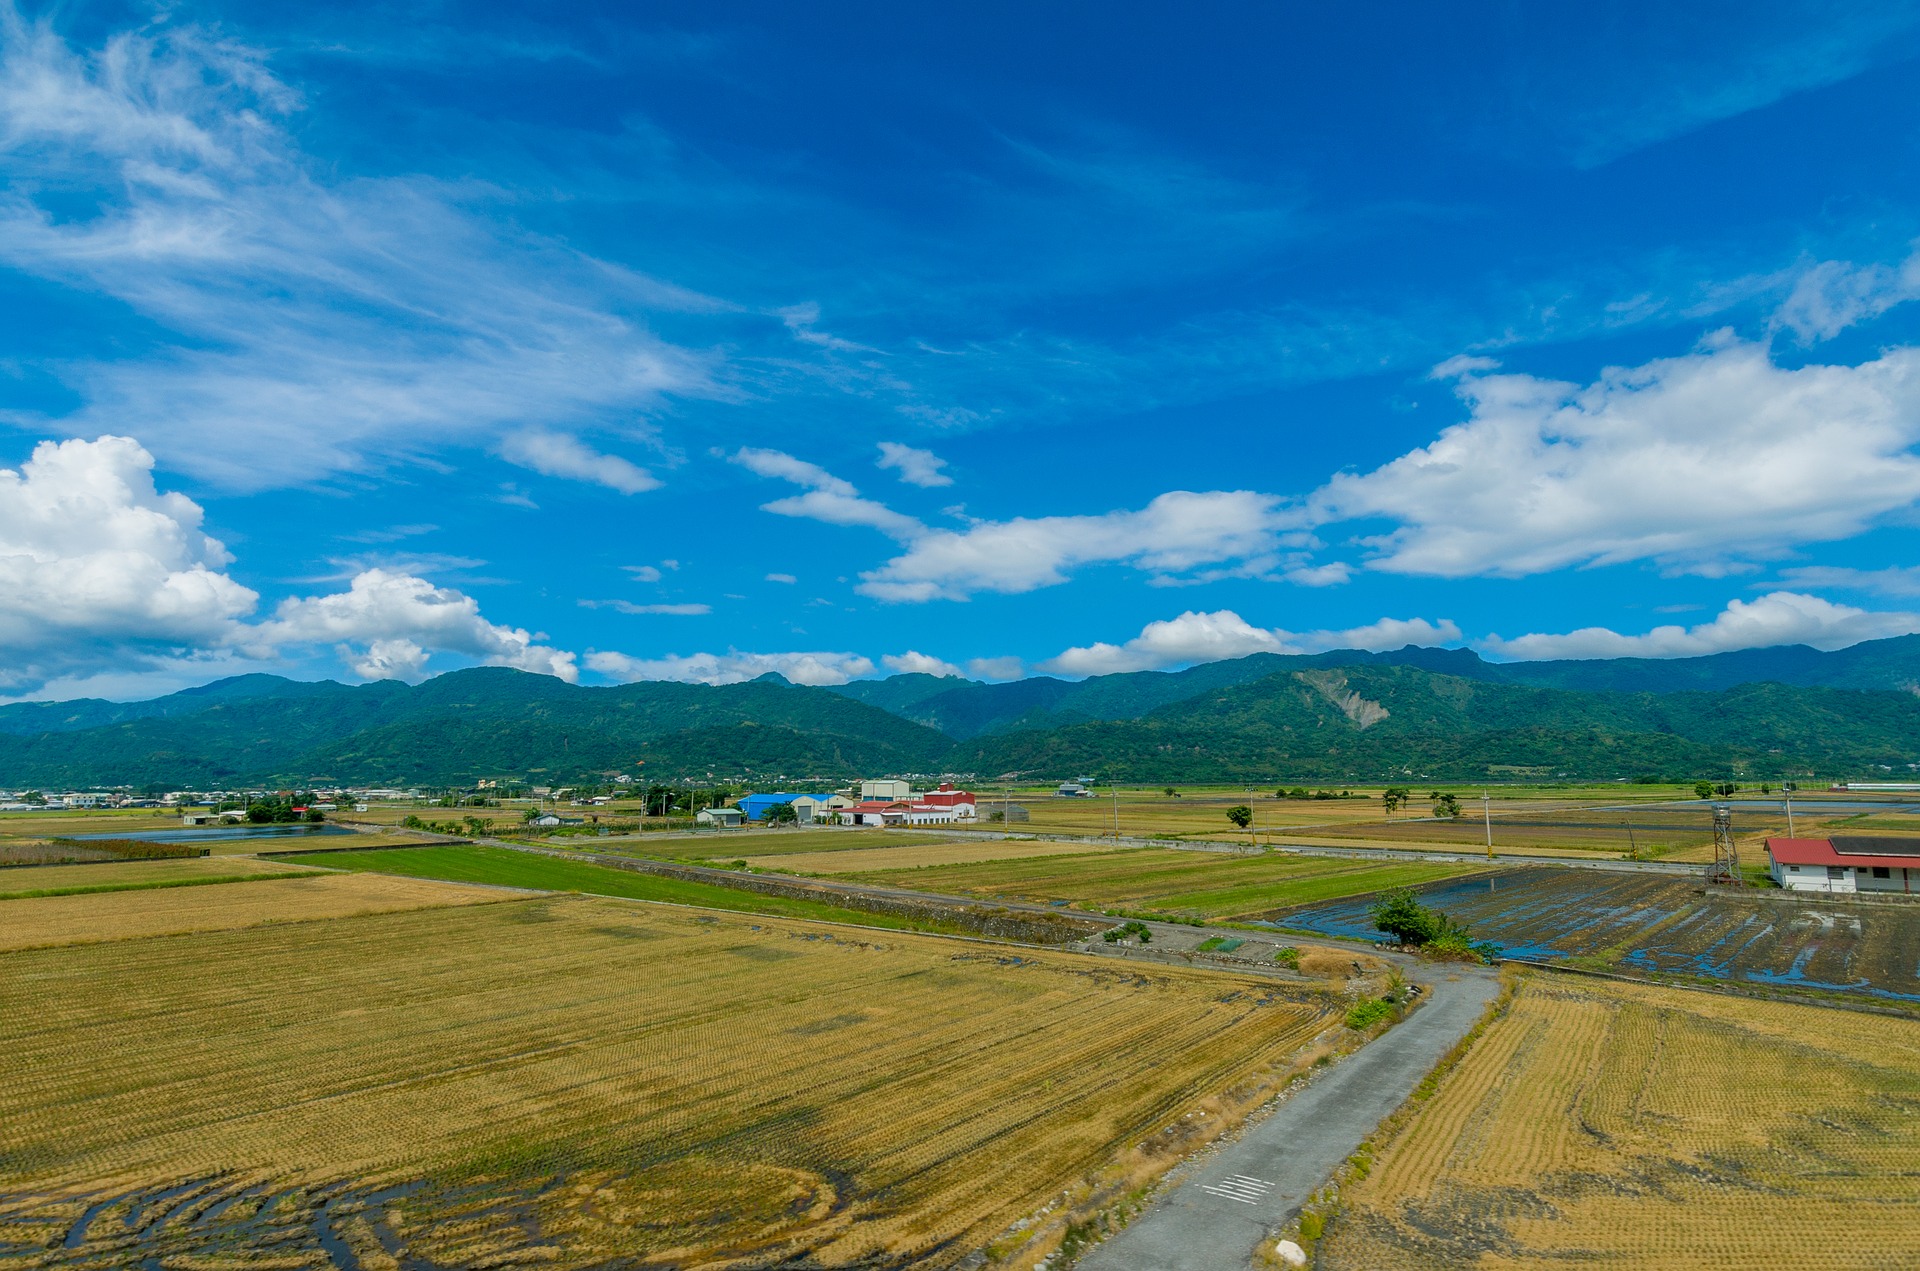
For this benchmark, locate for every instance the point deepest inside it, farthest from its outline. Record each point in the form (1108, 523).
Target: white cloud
(828, 498)
(386, 624)
(104, 580)
(688, 610)
(733, 667)
(1902, 580)
(558, 455)
(1003, 668)
(911, 663)
(1781, 617)
(318, 324)
(1834, 294)
(916, 467)
(1193, 638)
(1331, 574)
(643, 573)
(99, 570)
(1693, 462)
(784, 467)
(789, 579)
(1176, 532)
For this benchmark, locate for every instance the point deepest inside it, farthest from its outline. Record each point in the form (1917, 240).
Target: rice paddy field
(571, 1081)
(134, 875)
(43, 921)
(889, 855)
(1652, 925)
(1622, 1125)
(1179, 884)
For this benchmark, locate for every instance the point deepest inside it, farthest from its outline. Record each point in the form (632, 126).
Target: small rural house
(724, 818)
(1847, 863)
(550, 820)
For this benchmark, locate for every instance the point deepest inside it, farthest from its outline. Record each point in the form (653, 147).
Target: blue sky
(690, 341)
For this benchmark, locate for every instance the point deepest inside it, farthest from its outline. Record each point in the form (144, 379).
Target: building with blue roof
(755, 805)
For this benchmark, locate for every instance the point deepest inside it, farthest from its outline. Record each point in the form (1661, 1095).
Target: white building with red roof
(1847, 863)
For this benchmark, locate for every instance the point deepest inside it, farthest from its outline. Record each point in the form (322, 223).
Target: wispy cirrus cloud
(310, 323)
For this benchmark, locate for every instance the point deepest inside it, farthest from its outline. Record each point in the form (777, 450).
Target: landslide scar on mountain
(1333, 686)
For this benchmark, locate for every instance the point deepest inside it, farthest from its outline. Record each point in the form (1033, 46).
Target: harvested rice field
(131, 875)
(1180, 884)
(891, 856)
(1649, 924)
(125, 915)
(1621, 1125)
(574, 1081)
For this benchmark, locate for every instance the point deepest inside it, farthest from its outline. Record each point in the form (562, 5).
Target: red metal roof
(1820, 852)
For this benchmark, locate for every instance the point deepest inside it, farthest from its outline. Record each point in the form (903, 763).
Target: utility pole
(1116, 814)
(1787, 798)
(1486, 810)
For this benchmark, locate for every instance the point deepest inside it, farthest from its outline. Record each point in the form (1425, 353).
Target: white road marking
(1241, 1187)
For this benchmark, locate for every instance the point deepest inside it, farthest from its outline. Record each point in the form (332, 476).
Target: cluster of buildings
(1847, 863)
(879, 802)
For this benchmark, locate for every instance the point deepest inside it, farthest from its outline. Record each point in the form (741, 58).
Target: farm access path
(1223, 1204)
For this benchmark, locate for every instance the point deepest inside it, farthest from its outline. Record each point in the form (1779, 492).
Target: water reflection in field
(1641, 923)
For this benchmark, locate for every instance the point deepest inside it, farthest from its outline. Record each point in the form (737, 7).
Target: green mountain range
(1344, 716)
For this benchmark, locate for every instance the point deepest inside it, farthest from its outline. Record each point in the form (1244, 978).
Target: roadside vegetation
(1399, 913)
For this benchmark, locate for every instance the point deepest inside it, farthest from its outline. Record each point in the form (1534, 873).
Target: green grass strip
(504, 867)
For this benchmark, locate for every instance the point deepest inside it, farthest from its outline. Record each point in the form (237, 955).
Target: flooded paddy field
(1645, 924)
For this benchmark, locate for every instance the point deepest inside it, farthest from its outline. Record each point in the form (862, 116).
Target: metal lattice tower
(1725, 869)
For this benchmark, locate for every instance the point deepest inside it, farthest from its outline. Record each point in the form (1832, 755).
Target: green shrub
(1365, 1014)
(1288, 957)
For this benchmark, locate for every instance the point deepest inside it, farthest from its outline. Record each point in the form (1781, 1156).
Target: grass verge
(504, 867)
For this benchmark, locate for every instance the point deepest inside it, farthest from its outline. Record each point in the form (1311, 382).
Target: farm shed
(1846, 863)
(725, 817)
(754, 806)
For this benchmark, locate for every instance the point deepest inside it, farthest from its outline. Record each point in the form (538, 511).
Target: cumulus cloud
(916, 467)
(100, 570)
(559, 455)
(733, 667)
(828, 498)
(103, 575)
(386, 624)
(1693, 462)
(1003, 668)
(1178, 531)
(1781, 617)
(911, 663)
(788, 579)
(1214, 637)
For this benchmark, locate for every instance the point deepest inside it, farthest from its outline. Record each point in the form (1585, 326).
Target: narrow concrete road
(1215, 1216)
